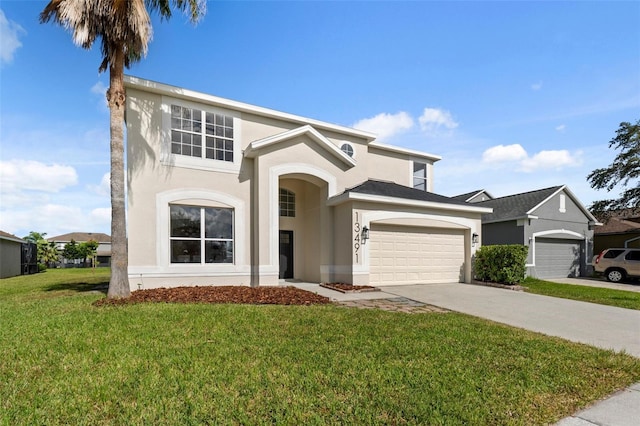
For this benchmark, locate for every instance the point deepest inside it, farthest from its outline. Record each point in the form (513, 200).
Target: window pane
(420, 184)
(185, 251)
(419, 170)
(218, 223)
(633, 255)
(218, 251)
(185, 221)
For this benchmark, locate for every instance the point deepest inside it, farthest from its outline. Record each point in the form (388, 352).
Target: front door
(286, 254)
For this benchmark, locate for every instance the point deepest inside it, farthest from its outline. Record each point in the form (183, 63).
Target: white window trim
(352, 147)
(163, 226)
(532, 241)
(426, 173)
(176, 160)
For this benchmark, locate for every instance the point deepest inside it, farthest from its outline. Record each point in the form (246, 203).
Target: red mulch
(221, 294)
(348, 288)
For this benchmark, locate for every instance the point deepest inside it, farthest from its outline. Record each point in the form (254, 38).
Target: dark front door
(286, 254)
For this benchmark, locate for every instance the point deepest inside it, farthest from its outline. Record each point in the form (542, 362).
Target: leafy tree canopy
(624, 171)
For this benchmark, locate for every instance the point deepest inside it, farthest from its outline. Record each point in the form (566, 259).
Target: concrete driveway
(599, 282)
(597, 325)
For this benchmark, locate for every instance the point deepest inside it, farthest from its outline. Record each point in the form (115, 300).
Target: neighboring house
(225, 193)
(622, 229)
(17, 256)
(554, 224)
(103, 253)
(474, 196)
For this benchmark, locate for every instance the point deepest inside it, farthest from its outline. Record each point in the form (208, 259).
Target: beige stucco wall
(322, 234)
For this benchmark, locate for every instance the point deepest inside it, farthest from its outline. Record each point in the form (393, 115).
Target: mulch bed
(221, 294)
(349, 288)
(514, 287)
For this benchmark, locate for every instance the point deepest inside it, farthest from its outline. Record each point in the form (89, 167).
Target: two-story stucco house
(225, 193)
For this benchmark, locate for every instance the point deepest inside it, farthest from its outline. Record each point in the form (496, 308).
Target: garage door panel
(407, 255)
(557, 258)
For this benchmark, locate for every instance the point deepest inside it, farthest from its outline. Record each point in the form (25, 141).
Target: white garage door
(409, 255)
(557, 258)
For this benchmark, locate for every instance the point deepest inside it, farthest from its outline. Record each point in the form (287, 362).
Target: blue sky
(515, 96)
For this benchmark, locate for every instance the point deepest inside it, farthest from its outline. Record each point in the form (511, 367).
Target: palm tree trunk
(116, 96)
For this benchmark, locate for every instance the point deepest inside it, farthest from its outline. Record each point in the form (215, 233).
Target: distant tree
(88, 249)
(124, 28)
(71, 251)
(47, 252)
(624, 171)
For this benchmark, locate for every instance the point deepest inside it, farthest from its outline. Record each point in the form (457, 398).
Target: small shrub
(501, 263)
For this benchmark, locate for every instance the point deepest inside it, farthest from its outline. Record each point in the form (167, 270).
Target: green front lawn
(64, 361)
(603, 296)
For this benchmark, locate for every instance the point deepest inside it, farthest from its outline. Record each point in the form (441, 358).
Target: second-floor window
(201, 134)
(420, 176)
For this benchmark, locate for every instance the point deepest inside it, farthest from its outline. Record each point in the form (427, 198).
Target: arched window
(287, 203)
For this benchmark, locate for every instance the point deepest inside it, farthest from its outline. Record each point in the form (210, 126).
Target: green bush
(501, 263)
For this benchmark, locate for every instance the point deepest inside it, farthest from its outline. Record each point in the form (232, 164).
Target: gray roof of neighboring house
(390, 189)
(81, 237)
(11, 237)
(469, 195)
(515, 206)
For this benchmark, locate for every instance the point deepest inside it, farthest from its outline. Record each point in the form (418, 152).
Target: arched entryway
(302, 211)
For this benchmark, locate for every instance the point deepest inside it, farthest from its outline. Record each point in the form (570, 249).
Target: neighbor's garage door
(409, 255)
(558, 258)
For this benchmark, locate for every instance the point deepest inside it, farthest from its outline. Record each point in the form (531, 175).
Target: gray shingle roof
(515, 206)
(465, 197)
(390, 189)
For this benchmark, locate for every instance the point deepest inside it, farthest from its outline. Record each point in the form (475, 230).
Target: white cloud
(10, 33)
(101, 216)
(536, 86)
(99, 89)
(561, 128)
(385, 125)
(504, 153)
(433, 119)
(554, 159)
(104, 188)
(18, 175)
(543, 160)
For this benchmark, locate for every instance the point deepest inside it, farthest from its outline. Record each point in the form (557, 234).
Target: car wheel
(615, 275)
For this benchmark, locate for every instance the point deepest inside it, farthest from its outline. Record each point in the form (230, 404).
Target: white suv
(618, 263)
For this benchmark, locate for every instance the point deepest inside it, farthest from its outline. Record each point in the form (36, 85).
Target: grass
(65, 361)
(600, 295)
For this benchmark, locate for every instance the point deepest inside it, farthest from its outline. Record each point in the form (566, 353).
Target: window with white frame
(287, 203)
(420, 176)
(202, 134)
(347, 148)
(201, 234)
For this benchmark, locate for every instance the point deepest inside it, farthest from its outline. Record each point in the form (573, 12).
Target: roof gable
(470, 196)
(516, 206)
(253, 150)
(524, 205)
